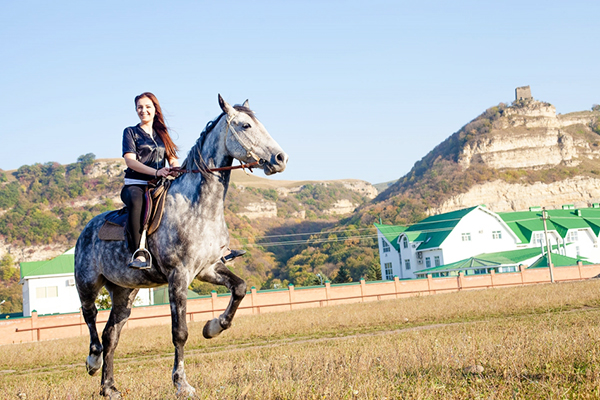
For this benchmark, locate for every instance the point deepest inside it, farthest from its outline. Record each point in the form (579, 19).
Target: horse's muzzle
(277, 164)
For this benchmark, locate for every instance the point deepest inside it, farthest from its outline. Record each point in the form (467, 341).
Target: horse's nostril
(281, 159)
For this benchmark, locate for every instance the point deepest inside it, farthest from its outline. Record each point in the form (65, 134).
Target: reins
(195, 171)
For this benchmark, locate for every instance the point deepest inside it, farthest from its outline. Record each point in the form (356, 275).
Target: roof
(391, 233)
(524, 223)
(558, 260)
(501, 258)
(432, 231)
(63, 264)
(161, 295)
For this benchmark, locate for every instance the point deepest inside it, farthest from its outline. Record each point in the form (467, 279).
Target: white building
(447, 238)
(49, 286)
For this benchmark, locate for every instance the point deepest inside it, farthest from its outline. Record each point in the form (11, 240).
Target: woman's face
(145, 110)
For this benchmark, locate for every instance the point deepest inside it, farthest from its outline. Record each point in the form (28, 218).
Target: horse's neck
(213, 188)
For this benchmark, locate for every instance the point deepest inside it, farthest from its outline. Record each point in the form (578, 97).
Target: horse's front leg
(178, 298)
(223, 276)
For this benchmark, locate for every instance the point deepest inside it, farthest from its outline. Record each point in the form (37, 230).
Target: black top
(148, 150)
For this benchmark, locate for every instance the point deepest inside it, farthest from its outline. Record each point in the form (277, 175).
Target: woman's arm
(134, 164)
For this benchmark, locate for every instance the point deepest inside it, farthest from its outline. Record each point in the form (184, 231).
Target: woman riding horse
(146, 147)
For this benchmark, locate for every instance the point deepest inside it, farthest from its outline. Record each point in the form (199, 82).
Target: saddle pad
(111, 231)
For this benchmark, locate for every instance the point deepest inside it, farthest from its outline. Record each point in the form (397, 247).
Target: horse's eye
(246, 126)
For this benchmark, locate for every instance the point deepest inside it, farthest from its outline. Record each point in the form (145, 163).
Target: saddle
(115, 222)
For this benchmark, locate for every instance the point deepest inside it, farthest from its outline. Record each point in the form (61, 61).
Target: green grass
(533, 342)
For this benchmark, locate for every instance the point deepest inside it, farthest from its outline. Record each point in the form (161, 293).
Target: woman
(147, 147)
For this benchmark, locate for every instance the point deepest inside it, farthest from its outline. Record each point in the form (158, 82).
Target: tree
(374, 273)
(7, 269)
(343, 275)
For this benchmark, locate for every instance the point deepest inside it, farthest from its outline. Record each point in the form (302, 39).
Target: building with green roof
(466, 235)
(49, 286)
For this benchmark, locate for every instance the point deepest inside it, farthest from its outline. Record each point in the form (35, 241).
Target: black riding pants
(133, 197)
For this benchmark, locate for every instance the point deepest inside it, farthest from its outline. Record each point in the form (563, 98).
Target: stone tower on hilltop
(523, 93)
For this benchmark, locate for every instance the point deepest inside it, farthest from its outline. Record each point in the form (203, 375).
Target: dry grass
(533, 342)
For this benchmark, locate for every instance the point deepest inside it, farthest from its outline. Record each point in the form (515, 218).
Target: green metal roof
(512, 257)
(63, 264)
(391, 233)
(524, 223)
(558, 260)
(432, 231)
(161, 295)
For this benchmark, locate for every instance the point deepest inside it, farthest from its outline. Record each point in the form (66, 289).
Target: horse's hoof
(186, 390)
(111, 392)
(212, 329)
(93, 363)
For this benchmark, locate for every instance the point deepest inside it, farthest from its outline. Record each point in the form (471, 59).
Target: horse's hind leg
(87, 294)
(237, 287)
(122, 301)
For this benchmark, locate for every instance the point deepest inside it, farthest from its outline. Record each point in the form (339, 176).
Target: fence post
(396, 284)
(460, 280)
(492, 274)
(35, 333)
(579, 265)
(363, 289)
(213, 301)
(291, 292)
(522, 269)
(327, 292)
(253, 298)
(429, 283)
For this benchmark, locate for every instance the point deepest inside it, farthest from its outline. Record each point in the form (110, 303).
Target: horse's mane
(194, 158)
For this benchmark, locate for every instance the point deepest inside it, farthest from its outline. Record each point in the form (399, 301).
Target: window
(539, 239)
(427, 262)
(572, 237)
(496, 235)
(436, 261)
(466, 237)
(405, 242)
(385, 245)
(389, 272)
(44, 292)
(407, 264)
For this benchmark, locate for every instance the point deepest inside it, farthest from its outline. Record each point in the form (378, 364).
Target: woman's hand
(163, 172)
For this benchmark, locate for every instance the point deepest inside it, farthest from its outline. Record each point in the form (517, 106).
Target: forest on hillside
(50, 203)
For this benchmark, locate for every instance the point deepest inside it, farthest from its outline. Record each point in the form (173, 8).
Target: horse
(190, 242)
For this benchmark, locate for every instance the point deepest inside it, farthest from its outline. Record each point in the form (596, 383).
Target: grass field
(529, 342)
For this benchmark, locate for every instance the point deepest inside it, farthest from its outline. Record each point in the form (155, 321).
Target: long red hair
(159, 126)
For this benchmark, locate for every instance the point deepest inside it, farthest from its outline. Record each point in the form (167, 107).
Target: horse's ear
(227, 109)
(246, 104)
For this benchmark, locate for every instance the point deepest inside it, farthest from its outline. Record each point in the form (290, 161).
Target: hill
(509, 158)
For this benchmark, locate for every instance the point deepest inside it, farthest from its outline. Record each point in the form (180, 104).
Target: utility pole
(548, 248)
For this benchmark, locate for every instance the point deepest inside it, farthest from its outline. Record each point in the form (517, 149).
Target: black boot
(232, 254)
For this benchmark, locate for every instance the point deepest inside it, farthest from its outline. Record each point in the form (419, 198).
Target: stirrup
(133, 263)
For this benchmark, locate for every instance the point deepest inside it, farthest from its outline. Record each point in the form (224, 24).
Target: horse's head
(247, 139)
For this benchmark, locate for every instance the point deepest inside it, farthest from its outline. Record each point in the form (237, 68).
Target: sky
(349, 89)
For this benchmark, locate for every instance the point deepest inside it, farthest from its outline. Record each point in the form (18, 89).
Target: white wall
(51, 294)
(387, 257)
(480, 225)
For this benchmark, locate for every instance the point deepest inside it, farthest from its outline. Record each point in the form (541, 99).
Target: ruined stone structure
(523, 93)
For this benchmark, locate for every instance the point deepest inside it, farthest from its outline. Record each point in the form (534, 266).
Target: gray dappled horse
(189, 243)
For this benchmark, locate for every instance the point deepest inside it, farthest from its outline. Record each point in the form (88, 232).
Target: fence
(46, 327)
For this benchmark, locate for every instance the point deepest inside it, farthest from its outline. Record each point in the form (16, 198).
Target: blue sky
(349, 89)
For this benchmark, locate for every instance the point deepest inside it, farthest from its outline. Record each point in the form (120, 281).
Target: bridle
(249, 153)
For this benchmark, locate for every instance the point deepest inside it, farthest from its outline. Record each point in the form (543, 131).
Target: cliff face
(533, 136)
(501, 196)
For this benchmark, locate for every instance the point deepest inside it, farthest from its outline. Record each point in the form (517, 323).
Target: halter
(250, 149)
